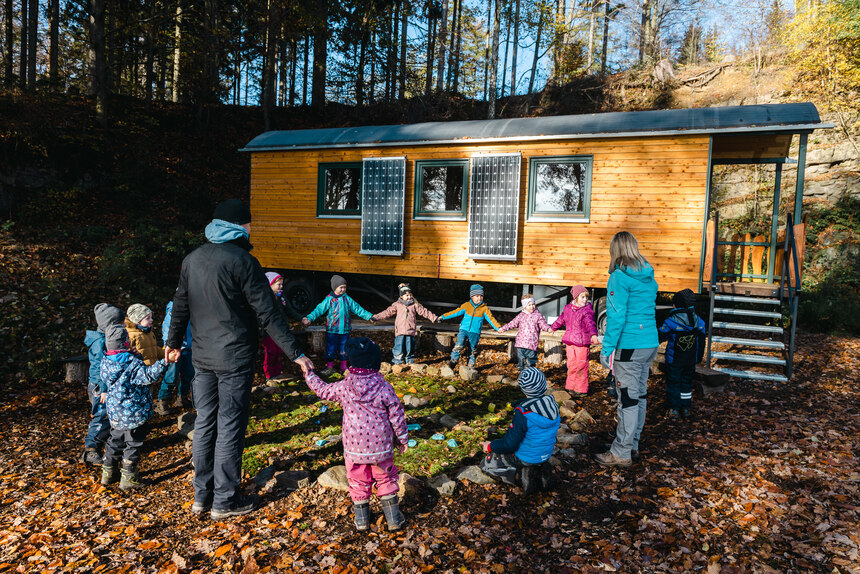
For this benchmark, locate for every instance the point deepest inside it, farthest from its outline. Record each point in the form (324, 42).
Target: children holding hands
(406, 309)
(474, 313)
(580, 331)
(529, 323)
(138, 322)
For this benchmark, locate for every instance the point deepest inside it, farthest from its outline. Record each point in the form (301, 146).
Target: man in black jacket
(223, 291)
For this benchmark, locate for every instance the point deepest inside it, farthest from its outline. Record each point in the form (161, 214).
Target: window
(339, 190)
(560, 188)
(441, 188)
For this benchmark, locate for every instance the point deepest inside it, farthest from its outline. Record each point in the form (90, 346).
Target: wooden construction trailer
(530, 201)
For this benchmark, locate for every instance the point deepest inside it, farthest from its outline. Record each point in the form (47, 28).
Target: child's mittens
(305, 321)
(439, 319)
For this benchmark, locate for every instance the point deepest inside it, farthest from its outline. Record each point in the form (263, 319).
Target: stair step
(748, 313)
(746, 327)
(755, 375)
(749, 342)
(764, 359)
(741, 299)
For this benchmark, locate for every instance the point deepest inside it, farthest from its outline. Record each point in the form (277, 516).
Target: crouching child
(129, 406)
(530, 440)
(372, 418)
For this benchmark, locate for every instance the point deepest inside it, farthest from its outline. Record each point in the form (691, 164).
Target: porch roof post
(801, 168)
(774, 224)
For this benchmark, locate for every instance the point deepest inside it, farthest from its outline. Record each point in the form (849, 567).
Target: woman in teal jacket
(630, 342)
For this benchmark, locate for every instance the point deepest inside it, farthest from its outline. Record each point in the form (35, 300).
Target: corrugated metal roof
(731, 119)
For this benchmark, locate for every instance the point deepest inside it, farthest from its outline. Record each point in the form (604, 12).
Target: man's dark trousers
(222, 400)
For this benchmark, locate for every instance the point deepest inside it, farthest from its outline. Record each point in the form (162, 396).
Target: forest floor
(763, 478)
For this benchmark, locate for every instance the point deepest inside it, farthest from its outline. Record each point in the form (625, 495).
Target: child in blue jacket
(337, 307)
(129, 406)
(531, 438)
(474, 312)
(685, 334)
(182, 370)
(99, 427)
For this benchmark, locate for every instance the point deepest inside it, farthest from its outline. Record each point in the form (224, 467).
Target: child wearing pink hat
(580, 331)
(271, 352)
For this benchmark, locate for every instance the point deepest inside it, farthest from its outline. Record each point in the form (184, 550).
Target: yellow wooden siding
(653, 187)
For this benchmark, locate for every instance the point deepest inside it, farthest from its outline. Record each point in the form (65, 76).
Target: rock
(410, 487)
(451, 389)
(418, 368)
(385, 368)
(583, 418)
(269, 481)
(464, 427)
(568, 452)
(434, 418)
(190, 435)
(571, 439)
(398, 369)
(295, 394)
(273, 383)
(335, 478)
(468, 373)
(415, 402)
(449, 421)
(186, 419)
(566, 412)
(446, 372)
(561, 396)
(271, 390)
(492, 430)
(664, 71)
(442, 484)
(571, 404)
(473, 473)
(333, 439)
(431, 371)
(554, 461)
(495, 378)
(510, 382)
(706, 390)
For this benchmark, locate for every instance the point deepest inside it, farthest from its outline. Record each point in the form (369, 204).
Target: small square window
(441, 188)
(339, 189)
(560, 188)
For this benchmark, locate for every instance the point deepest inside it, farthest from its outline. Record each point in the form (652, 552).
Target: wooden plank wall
(652, 187)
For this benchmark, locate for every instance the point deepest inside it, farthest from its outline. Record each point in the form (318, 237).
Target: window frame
(323, 213)
(560, 216)
(418, 213)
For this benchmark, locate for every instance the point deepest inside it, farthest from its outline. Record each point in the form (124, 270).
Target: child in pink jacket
(372, 417)
(406, 309)
(529, 323)
(580, 331)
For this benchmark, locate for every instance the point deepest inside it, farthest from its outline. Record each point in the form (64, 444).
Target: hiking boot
(329, 370)
(91, 457)
(634, 455)
(609, 459)
(244, 505)
(685, 413)
(530, 477)
(672, 414)
(161, 408)
(362, 514)
(391, 510)
(612, 392)
(199, 508)
(129, 478)
(187, 402)
(109, 474)
(453, 364)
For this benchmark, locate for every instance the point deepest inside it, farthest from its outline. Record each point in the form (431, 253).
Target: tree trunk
(507, 48)
(603, 52)
(443, 39)
(516, 44)
(270, 45)
(431, 44)
(98, 64)
(282, 63)
(293, 51)
(452, 42)
(560, 38)
(22, 70)
(643, 31)
(305, 71)
(177, 52)
(494, 60)
(592, 19)
(456, 86)
(537, 52)
(150, 54)
(371, 92)
(53, 54)
(487, 49)
(9, 72)
(320, 55)
(362, 61)
(404, 17)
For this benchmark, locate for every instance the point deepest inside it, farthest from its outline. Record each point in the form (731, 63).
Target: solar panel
(494, 206)
(383, 193)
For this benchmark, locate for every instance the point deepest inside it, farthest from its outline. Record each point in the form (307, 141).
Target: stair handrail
(712, 290)
(790, 282)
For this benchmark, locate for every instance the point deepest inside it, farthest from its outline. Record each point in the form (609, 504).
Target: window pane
(342, 188)
(442, 188)
(560, 187)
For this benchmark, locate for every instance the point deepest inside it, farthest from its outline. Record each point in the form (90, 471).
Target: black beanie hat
(232, 211)
(363, 353)
(683, 299)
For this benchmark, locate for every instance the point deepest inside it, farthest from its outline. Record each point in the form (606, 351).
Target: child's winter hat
(684, 298)
(232, 211)
(116, 337)
(337, 281)
(475, 290)
(137, 312)
(272, 276)
(404, 289)
(363, 353)
(577, 290)
(107, 315)
(532, 382)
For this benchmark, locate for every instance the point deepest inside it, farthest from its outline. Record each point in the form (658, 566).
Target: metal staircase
(758, 324)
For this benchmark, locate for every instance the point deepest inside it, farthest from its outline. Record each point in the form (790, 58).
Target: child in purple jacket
(580, 331)
(372, 417)
(529, 323)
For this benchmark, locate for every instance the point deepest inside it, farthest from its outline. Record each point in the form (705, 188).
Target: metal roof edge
(795, 128)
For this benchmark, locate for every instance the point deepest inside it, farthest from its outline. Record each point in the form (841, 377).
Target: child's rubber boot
(391, 510)
(91, 457)
(162, 408)
(329, 369)
(110, 474)
(343, 366)
(129, 478)
(362, 514)
(685, 413)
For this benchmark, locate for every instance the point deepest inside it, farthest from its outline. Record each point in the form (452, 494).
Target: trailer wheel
(600, 315)
(299, 295)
